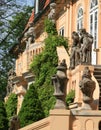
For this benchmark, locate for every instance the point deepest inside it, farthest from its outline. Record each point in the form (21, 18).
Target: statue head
(86, 73)
(82, 32)
(52, 5)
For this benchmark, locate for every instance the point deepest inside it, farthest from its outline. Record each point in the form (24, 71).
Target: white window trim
(79, 19)
(92, 12)
(60, 31)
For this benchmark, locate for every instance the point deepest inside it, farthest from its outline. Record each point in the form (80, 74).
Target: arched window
(94, 24)
(93, 3)
(80, 19)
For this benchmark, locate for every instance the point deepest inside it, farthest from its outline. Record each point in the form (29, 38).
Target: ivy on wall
(39, 98)
(44, 66)
(11, 105)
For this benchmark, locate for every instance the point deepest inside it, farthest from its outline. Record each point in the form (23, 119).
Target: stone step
(99, 108)
(99, 80)
(97, 66)
(97, 76)
(97, 72)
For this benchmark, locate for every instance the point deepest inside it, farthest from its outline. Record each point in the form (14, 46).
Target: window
(80, 19)
(93, 3)
(94, 21)
(39, 5)
(94, 25)
(61, 31)
(36, 6)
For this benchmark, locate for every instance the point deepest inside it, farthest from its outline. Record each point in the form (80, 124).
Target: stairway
(97, 75)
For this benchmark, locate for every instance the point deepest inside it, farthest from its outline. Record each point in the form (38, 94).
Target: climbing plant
(44, 66)
(11, 105)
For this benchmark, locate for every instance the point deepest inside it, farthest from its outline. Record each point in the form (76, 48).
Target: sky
(25, 2)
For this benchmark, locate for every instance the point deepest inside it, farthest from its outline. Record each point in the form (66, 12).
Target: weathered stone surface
(10, 84)
(75, 51)
(81, 49)
(59, 81)
(51, 15)
(14, 123)
(87, 86)
(86, 49)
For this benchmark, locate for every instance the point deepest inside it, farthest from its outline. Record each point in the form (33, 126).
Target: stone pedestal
(75, 120)
(74, 77)
(60, 119)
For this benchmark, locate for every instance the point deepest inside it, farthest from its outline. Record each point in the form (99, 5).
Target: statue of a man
(51, 15)
(75, 51)
(10, 84)
(30, 35)
(86, 40)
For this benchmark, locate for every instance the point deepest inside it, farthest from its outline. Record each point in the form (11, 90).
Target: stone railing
(40, 125)
(60, 119)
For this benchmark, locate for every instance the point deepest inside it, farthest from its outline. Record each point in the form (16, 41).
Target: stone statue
(14, 123)
(75, 51)
(51, 15)
(59, 81)
(86, 40)
(87, 86)
(30, 36)
(10, 84)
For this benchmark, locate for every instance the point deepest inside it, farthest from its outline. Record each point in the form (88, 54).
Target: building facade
(71, 15)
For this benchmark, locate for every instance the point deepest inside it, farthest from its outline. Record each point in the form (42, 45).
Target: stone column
(29, 77)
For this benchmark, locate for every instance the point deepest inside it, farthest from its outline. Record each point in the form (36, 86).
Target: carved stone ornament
(86, 40)
(51, 15)
(59, 81)
(81, 48)
(14, 123)
(75, 51)
(10, 84)
(30, 36)
(87, 86)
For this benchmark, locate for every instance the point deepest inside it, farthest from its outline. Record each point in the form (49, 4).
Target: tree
(31, 109)
(12, 27)
(3, 117)
(44, 66)
(11, 105)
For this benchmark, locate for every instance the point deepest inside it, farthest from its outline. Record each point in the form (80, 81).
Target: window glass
(61, 31)
(94, 27)
(80, 19)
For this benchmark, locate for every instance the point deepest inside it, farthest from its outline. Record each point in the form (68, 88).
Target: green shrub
(31, 109)
(70, 97)
(11, 105)
(3, 117)
(44, 66)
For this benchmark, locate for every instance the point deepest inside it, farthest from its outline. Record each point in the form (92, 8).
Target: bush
(11, 105)
(70, 97)
(31, 110)
(3, 117)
